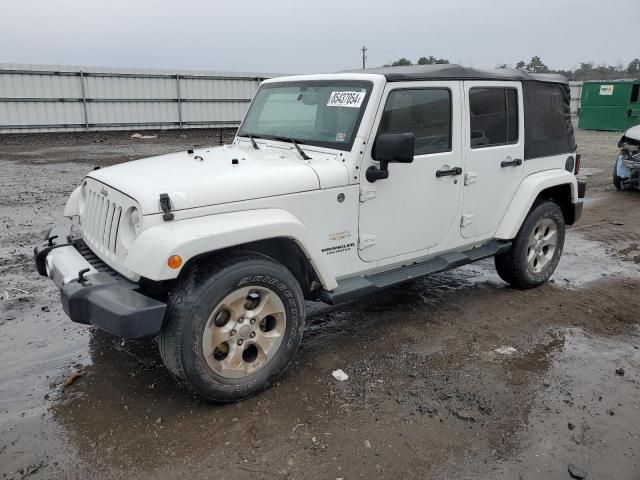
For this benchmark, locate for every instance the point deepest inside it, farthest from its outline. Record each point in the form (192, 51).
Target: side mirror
(394, 147)
(391, 147)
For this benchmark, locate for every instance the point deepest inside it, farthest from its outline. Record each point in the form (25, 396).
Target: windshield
(324, 113)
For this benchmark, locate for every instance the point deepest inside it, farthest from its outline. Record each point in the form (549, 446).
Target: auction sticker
(346, 99)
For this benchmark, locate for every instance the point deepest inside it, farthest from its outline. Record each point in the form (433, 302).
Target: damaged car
(626, 171)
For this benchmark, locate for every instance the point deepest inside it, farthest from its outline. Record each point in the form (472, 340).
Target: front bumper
(628, 172)
(105, 300)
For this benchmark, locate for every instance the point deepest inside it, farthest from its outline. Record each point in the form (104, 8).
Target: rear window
(494, 116)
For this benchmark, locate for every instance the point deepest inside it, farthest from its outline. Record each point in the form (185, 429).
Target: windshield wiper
(295, 144)
(252, 137)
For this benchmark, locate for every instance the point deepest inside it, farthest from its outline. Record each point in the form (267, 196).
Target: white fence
(37, 98)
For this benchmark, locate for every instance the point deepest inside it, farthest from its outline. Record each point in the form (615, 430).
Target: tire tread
(193, 281)
(508, 264)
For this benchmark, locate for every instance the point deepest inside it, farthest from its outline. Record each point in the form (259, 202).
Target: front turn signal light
(174, 261)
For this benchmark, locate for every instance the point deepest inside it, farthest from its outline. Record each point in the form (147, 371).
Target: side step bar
(360, 286)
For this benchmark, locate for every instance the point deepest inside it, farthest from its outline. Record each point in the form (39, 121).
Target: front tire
(536, 250)
(233, 326)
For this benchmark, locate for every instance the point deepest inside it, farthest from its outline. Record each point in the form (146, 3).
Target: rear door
(494, 153)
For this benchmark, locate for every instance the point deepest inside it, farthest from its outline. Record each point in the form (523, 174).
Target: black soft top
(546, 100)
(458, 72)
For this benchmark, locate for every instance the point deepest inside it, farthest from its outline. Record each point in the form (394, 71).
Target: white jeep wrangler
(334, 187)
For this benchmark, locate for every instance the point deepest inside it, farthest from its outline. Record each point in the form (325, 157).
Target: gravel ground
(427, 395)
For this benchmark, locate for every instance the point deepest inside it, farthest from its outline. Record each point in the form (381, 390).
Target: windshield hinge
(165, 206)
(367, 193)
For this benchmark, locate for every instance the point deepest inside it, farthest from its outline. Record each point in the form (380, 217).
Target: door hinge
(466, 219)
(470, 177)
(366, 241)
(367, 193)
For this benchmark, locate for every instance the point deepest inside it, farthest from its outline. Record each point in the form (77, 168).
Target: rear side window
(425, 112)
(494, 116)
(547, 120)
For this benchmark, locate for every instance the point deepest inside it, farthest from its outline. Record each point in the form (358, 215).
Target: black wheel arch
(282, 250)
(560, 195)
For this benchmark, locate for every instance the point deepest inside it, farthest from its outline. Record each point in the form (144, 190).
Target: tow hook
(81, 273)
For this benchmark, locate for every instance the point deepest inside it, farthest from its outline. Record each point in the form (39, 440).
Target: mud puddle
(583, 261)
(589, 400)
(427, 397)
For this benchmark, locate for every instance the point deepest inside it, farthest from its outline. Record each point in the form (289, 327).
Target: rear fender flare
(526, 195)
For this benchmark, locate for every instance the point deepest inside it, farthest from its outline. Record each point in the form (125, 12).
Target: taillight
(577, 168)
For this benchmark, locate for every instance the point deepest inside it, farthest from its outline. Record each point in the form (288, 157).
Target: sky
(288, 36)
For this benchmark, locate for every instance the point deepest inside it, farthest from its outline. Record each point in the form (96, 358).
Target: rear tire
(536, 250)
(233, 326)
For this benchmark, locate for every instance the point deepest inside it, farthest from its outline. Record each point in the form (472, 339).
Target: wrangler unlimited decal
(338, 248)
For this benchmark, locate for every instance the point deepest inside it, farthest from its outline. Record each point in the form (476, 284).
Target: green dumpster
(610, 105)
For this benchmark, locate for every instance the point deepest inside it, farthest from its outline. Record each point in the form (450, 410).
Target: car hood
(217, 175)
(632, 136)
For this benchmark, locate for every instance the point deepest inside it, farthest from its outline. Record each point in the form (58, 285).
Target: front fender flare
(527, 193)
(72, 207)
(195, 236)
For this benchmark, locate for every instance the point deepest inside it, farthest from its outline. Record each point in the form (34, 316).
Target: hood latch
(165, 205)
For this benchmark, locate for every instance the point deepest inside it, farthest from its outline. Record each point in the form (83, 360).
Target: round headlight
(132, 224)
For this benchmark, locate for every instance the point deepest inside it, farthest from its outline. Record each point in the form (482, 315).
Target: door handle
(516, 162)
(452, 172)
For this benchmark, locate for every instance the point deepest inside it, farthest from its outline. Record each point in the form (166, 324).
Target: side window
(425, 112)
(494, 116)
(547, 120)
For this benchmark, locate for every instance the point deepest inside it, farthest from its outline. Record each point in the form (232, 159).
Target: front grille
(103, 216)
(100, 266)
(93, 259)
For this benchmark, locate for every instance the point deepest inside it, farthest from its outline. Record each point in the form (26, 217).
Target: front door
(494, 151)
(415, 208)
